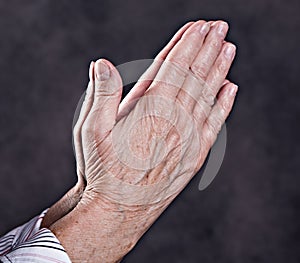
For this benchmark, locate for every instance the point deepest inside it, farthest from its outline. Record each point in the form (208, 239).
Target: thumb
(107, 96)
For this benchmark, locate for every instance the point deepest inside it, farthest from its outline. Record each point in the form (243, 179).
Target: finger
(191, 92)
(198, 89)
(219, 70)
(188, 47)
(165, 51)
(218, 114)
(107, 96)
(85, 109)
(146, 79)
(210, 50)
(173, 71)
(202, 108)
(196, 93)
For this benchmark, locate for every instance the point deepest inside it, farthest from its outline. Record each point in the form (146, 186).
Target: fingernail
(222, 28)
(205, 28)
(229, 50)
(233, 89)
(102, 70)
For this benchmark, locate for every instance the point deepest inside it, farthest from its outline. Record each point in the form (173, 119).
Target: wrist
(64, 205)
(104, 231)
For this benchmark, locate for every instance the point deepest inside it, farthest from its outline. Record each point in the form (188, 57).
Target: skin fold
(134, 157)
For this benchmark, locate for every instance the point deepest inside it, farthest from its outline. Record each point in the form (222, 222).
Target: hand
(190, 92)
(136, 158)
(73, 196)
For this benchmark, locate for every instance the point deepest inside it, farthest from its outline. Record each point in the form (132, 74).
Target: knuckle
(201, 111)
(181, 62)
(208, 138)
(221, 65)
(215, 124)
(211, 126)
(224, 108)
(199, 70)
(208, 96)
(159, 84)
(214, 43)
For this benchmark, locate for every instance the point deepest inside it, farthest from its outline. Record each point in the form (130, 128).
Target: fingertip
(227, 94)
(102, 70)
(189, 23)
(228, 89)
(233, 88)
(107, 78)
(186, 25)
(225, 23)
(205, 28)
(222, 27)
(115, 77)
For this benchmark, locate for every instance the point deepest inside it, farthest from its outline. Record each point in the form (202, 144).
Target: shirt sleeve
(30, 243)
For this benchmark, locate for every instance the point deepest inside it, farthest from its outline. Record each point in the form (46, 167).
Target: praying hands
(136, 155)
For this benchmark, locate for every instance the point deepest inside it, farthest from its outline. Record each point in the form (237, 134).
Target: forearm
(103, 232)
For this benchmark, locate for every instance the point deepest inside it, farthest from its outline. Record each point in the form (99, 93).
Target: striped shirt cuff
(30, 243)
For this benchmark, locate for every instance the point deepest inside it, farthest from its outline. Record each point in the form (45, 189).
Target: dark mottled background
(251, 212)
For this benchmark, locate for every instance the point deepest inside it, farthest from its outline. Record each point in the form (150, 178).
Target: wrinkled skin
(136, 156)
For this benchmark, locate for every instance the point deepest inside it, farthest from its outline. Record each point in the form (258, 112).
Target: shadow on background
(251, 211)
